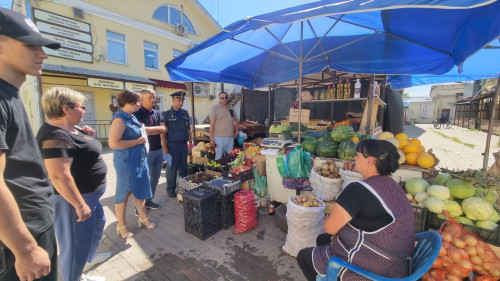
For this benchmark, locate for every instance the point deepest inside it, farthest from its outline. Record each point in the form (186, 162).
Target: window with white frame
(150, 55)
(116, 47)
(171, 15)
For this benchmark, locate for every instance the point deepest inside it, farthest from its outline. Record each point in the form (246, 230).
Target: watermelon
(347, 150)
(342, 133)
(367, 137)
(310, 144)
(325, 137)
(327, 149)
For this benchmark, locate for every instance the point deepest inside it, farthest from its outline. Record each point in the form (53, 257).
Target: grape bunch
(199, 178)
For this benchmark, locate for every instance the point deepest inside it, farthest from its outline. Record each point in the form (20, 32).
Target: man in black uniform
(27, 240)
(177, 121)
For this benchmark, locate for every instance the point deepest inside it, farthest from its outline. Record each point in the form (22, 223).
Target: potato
(305, 204)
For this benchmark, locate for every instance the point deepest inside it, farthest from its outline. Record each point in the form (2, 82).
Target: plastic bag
(304, 225)
(349, 176)
(245, 212)
(324, 188)
(297, 183)
(241, 138)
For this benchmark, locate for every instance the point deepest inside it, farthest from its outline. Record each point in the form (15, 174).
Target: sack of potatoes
(328, 169)
(306, 201)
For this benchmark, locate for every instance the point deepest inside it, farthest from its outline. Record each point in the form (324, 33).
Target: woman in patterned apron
(372, 223)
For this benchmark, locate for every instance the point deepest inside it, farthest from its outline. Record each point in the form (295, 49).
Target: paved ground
(169, 253)
(454, 155)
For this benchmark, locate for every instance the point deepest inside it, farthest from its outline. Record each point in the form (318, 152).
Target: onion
(480, 251)
(437, 263)
(470, 240)
(454, 254)
(446, 261)
(467, 265)
(457, 242)
(454, 230)
(446, 237)
(454, 270)
(439, 274)
(445, 245)
(488, 257)
(442, 252)
(476, 260)
(495, 273)
(488, 266)
(471, 250)
(451, 277)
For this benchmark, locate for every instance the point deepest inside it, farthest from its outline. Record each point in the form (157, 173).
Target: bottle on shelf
(357, 89)
(347, 89)
(329, 93)
(340, 90)
(322, 94)
(376, 89)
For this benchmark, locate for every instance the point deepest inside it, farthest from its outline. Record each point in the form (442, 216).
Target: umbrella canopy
(357, 36)
(482, 65)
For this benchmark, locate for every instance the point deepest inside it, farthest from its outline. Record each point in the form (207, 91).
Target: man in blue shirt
(178, 134)
(155, 129)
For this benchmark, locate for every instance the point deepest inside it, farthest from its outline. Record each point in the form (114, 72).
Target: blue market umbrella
(357, 36)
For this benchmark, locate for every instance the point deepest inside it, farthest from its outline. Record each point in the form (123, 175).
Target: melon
(385, 135)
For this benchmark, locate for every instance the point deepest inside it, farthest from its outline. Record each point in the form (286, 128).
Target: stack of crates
(225, 206)
(201, 218)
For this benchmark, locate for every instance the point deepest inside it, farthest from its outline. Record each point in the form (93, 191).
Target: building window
(176, 53)
(150, 55)
(172, 16)
(116, 47)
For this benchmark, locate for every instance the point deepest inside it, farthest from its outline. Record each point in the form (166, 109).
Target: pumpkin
(425, 160)
(347, 150)
(411, 158)
(401, 136)
(342, 133)
(385, 135)
(410, 148)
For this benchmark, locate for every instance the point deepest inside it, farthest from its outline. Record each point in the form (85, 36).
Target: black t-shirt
(150, 119)
(88, 168)
(365, 208)
(24, 173)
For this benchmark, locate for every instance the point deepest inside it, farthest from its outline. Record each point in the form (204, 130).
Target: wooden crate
(217, 174)
(200, 160)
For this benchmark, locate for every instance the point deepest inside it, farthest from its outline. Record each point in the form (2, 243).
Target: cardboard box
(304, 115)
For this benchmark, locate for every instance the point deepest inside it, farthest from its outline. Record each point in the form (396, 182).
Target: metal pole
(370, 105)
(490, 126)
(300, 74)
(193, 128)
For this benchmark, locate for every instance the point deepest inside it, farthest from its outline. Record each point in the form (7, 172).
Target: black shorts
(47, 241)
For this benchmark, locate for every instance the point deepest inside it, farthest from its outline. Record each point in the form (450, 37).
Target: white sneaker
(87, 277)
(98, 258)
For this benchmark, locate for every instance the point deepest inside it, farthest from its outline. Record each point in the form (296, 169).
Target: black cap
(178, 95)
(17, 26)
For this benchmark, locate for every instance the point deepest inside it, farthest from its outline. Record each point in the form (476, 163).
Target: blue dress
(132, 174)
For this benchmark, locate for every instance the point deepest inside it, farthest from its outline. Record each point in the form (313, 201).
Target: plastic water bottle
(357, 89)
(376, 89)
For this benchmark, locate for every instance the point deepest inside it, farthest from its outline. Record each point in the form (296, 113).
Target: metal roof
(95, 73)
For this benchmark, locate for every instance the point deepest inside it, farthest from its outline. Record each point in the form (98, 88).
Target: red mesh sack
(475, 252)
(245, 212)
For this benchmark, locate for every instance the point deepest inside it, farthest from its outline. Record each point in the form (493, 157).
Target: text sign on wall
(74, 36)
(105, 83)
(137, 86)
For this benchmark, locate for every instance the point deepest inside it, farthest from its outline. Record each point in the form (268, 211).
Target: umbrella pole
(370, 104)
(300, 97)
(193, 127)
(490, 127)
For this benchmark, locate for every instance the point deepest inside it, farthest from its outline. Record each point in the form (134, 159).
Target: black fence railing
(101, 128)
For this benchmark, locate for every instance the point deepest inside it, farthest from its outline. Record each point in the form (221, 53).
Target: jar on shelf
(322, 94)
(316, 94)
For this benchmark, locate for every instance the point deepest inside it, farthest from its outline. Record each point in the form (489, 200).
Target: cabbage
(439, 191)
(495, 217)
(441, 179)
(434, 204)
(476, 208)
(464, 220)
(486, 224)
(421, 196)
(415, 186)
(453, 208)
(272, 129)
(460, 189)
(491, 196)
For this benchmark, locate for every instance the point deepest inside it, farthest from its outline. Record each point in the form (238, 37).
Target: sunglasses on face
(223, 98)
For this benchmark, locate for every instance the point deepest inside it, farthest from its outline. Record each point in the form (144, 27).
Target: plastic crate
(420, 218)
(226, 186)
(186, 183)
(488, 236)
(201, 218)
(243, 176)
(225, 205)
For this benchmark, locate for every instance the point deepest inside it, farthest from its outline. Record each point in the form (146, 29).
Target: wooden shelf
(336, 100)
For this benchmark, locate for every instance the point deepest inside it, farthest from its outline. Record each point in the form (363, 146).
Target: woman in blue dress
(129, 159)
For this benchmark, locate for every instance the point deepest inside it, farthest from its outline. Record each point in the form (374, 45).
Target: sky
(226, 12)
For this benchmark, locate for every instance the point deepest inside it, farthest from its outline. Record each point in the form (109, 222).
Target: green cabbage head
(421, 196)
(476, 208)
(486, 224)
(439, 191)
(460, 189)
(495, 217)
(464, 220)
(441, 179)
(434, 204)
(416, 185)
(453, 208)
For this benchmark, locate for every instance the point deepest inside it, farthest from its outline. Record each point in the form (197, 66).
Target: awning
(169, 84)
(94, 73)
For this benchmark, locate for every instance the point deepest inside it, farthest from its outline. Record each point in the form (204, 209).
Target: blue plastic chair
(426, 252)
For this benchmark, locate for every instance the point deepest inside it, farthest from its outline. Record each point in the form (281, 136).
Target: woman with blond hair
(130, 162)
(77, 171)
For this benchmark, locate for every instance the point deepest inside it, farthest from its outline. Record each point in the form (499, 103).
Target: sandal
(126, 235)
(141, 223)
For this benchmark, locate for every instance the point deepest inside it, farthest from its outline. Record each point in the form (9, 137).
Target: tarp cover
(357, 36)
